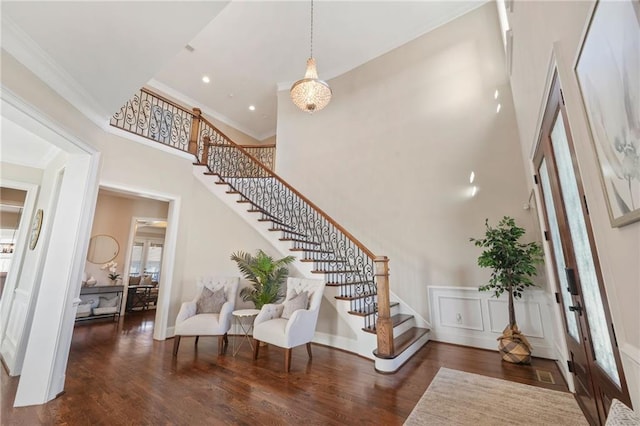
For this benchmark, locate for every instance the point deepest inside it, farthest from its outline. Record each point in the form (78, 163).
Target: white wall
(540, 29)
(390, 157)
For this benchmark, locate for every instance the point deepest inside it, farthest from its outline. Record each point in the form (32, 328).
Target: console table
(103, 290)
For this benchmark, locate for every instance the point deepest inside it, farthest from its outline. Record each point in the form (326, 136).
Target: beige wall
(536, 27)
(391, 155)
(113, 217)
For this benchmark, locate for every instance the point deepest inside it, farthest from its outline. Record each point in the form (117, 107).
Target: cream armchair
(271, 327)
(192, 323)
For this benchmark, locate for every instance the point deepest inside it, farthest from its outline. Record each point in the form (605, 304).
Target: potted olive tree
(265, 274)
(514, 264)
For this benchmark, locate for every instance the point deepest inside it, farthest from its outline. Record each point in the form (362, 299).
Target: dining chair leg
(226, 342)
(309, 349)
(176, 344)
(197, 338)
(287, 360)
(256, 347)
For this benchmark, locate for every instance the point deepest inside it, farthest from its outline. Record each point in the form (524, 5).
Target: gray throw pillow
(108, 302)
(299, 301)
(210, 302)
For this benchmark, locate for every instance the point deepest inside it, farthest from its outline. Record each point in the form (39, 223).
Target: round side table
(244, 318)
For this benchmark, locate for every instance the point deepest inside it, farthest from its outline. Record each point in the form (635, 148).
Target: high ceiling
(101, 52)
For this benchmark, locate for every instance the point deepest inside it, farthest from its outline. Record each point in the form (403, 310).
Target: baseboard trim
(487, 343)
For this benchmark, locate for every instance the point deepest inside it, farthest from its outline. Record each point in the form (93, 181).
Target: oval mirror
(102, 249)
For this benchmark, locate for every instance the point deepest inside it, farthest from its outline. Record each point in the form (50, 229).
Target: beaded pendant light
(311, 94)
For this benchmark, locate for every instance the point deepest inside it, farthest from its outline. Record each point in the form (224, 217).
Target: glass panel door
(582, 251)
(558, 254)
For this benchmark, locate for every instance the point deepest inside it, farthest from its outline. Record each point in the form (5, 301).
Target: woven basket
(514, 347)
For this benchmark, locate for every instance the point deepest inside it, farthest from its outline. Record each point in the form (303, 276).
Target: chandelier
(311, 94)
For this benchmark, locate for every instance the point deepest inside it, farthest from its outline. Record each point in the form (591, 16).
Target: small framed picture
(36, 226)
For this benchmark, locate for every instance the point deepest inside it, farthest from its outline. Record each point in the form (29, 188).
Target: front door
(594, 356)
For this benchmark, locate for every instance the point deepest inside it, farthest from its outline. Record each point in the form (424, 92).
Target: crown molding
(22, 47)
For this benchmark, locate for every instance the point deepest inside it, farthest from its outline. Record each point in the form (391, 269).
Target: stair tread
(334, 284)
(323, 260)
(370, 311)
(311, 250)
(396, 320)
(404, 341)
(299, 241)
(288, 231)
(356, 296)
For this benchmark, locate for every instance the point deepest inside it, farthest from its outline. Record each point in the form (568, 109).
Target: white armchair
(191, 323)
(299, 328)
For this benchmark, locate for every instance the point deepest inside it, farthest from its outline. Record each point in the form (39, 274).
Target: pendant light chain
(311, 29)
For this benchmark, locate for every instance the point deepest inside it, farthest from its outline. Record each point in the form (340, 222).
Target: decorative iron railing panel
(301, 223)
(264, 154)
(154, 118)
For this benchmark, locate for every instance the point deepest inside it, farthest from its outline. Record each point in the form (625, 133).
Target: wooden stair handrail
(169, 101)
(295, 191)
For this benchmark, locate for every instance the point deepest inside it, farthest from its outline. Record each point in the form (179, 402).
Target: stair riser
(392, 365)
(405, 326)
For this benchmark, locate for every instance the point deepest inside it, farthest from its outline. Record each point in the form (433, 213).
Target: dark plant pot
(514, 347)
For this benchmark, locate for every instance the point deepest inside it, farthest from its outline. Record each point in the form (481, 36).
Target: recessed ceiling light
(252, 108)
(495, 95)
(474, 191)
(231, 95)
(206, 79)
(498, 108)
(472, 177)
(189, 48)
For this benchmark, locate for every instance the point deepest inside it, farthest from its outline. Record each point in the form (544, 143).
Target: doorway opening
(140, 261)
(145, 263)
(11, 207)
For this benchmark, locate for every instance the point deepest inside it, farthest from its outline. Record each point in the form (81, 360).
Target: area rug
(459, 398)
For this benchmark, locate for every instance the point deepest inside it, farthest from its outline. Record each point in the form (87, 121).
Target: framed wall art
(608, 72)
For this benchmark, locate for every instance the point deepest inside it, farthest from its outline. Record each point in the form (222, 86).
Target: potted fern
(266, 275)
(514, 264)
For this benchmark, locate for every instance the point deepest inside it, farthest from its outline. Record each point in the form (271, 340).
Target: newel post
(195, 131)
(384, 326)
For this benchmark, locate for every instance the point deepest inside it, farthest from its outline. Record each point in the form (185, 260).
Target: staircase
(357, 279)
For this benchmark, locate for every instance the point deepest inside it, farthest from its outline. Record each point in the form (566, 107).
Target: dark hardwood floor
(118, 375)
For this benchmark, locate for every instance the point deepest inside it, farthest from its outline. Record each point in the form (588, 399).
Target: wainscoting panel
(527, 317)
(14, 330)
(466, 316)
(460, 312)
